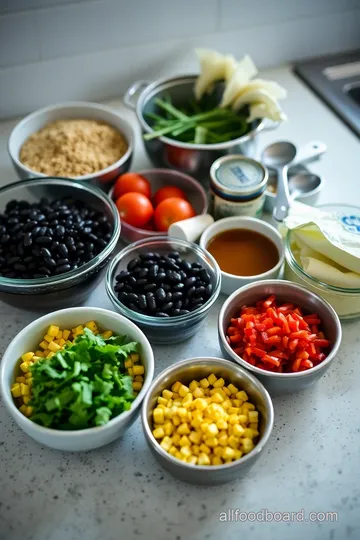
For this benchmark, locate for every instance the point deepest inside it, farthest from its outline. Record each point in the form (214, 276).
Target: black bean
(30, 225)
(177, 295)
(189, 282)
(54, 246)
(195, 271)
(5, 238)
(141, 282)
(178, 304)
(49, 262)
(143, 272)
(190, 292)
(208, 290)
(166, 287)
(196, 265)
(37, 275)
(62, 261)
(160, 294)
(174, 277)
(148, 256)
(160, 277)
(132, 264)
(13, 260)
(122, 276)
(45, 252)
(183, 275)
(174, 255)
(200, 291)
(150, 287)
(167, 307)
(178, 287)
(20, 267)
(122, 296)
(134, 307)
(161, 314)
(63, 250)
(170, 263)
(28, 259)
(197, 301)
(132, 281)
(184, 311)
(119, 286)
(132, 297)
(60, 231)
(43, 240)
(176, 312)
(204, 275)
(168, 297)
(153, 270)
(44, 270)
(62, 269)
(142, 301)
(27, 239)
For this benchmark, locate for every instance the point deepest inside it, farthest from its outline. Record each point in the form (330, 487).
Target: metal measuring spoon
(301, 183)
(279, 156)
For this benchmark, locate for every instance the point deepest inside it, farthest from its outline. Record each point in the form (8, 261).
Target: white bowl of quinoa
(78, 140)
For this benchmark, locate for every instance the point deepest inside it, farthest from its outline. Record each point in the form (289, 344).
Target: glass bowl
(70, 288)
(157, 329)
(346, 302)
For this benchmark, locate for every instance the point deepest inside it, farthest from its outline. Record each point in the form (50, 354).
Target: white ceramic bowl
(230, 282)
(73, 109)
(31, 335)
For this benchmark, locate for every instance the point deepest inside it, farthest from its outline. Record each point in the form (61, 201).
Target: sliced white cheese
(214, 67)
(245, 71)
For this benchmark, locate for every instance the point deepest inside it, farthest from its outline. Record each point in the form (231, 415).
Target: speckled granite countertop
(312, 462)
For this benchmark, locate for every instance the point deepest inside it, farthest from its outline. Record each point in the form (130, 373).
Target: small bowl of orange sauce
(246, 249)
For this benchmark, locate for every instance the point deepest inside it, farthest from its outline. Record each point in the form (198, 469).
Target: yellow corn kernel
(79, 329)
(216, 460)
(246, 407)
(187, 400)
(238, 430)
(167, 394)
(176, 420)
(238, 453)
(40, 354)
(183, 429)
(62, 342)
(192, 460)
(233, 441)
(53, 330)
(25, 390)
(44, 345)
(91, 325)
(250, 433)
(226, 404)
(128, 363)
(196, 422)
(162, 400)
(106, 335)
(166, 443)
(16, 390)
(204, 383)
(27, 356)
(211, 442)
(170, 401)
(27, 375)
(184, 441)
(168, 428)
(48, 338)
(236, 402)
(178, 454)
(204, 448)
(195, 437)
(247, 445)
(137, 386)
(158, 415)
(222, 440)
(173, 450)
(29, 382)
(204, 426)
(36, 358)
(195, 449)
(233, 410)
(198, 393)
(203, 459)
(54, 347)
(135, 357)
(26, 399)
(50, 354)
(200, 404)
(243, 419)
(233, 419)
(183, 390)
(176, 439)
(158, 433)
(232, 388)
(182, 412)
(253, 416)
(242, 395)
(22, 379)
(177, 402)
(212, 430)
(130, 371)
(219, 383)
(23, 409)
(228, 453)
(218, 450)
(227, 391)
(217, 398)
(175, 387)
(193, 385)
(211, 379)
(173, 411)
(59, 335)
(65, 334)
(139, 370)
(185, 450)
(221, 424)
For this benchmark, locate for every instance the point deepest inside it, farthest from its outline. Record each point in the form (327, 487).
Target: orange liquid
(243, 253)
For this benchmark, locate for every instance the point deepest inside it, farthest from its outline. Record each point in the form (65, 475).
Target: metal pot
(194, 159)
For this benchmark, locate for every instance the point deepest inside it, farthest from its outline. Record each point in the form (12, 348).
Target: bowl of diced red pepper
(285, 334)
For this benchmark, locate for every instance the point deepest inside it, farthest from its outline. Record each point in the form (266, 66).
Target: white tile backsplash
(54, 50)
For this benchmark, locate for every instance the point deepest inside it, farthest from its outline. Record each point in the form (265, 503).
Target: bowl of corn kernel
(74, 379)
(207, 420)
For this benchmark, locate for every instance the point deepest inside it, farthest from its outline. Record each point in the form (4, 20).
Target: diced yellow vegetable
(175, 387)
(54, 347)
(44, 345)
(138, 370)
(53, 330)
(65, 334)
(137, 386)
(204, 383)
(40, 354)
(159, 433)
(16, 390)
(49, 338)
(158, 416)
(107, 334)
(27, 356)
(22, 379)
(219, 383)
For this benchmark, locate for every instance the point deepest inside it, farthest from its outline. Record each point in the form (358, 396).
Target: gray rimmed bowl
(70, 288)
(165, 330)
(198, 368)
(285, 291)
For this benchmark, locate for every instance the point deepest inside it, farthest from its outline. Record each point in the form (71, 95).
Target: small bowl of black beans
(56, 235)
(165, 286)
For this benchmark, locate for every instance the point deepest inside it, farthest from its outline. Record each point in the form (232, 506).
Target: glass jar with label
(237, 187)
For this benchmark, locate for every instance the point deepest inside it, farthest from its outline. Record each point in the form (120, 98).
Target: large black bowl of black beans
(165, 286)
(55, 235)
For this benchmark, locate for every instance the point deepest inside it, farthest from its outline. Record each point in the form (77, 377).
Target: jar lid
(238, 177)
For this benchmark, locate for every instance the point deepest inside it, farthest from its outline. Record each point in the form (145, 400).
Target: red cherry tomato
(170, 211)
(135, 209)
(131, 183)
(168, 192)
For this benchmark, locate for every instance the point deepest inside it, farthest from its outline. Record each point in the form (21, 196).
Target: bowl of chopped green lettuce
(74, 379)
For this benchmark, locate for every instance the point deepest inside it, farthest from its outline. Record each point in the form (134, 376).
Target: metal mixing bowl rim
(8, 284)
(160, 170)
(162, 322)
(300, 374)
(178, 144)
(89, 105)
(210, 361)
(76, 433)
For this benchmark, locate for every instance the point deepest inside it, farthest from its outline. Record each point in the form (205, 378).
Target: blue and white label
(351, 223)
(239, 175)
